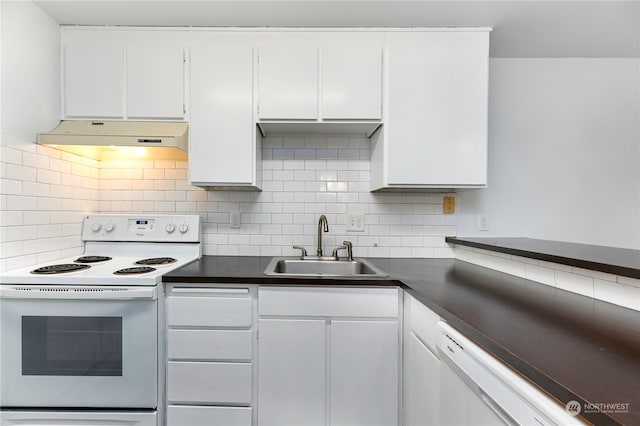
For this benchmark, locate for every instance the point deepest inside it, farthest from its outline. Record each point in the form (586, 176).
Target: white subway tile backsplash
(619, 290)
(302, 178)
(618, 294)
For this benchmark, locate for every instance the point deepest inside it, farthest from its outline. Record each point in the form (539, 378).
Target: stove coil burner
(60, 269)
(134, 271)
(156, 261)
(92, 259)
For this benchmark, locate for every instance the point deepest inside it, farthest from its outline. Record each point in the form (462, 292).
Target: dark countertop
(572, 346)
(612, 260)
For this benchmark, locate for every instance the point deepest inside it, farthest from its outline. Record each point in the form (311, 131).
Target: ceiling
(521, 28)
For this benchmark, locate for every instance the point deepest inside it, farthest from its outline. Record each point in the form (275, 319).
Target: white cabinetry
(351, 81)
(155, 75)
(123, 74)
(210, 349)
(320, 76)
(224, 149)
(328, 356)
(421, 365)
(288, 82)
(93, 79)
(435, 123)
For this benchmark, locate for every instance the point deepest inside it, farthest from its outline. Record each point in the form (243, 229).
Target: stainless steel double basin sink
(312, 266)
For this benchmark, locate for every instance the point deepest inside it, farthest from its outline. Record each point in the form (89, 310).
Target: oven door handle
(77, 292)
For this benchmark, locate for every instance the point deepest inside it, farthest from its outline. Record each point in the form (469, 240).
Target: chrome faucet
(321, 222)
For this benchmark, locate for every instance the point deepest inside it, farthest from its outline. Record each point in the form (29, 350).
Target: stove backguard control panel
(141, 228)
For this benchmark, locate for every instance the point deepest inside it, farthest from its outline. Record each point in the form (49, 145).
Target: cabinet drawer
(181, 415)
(209, 382)
(424, 324)
(210, 344)
(328, 302)
(209, 310)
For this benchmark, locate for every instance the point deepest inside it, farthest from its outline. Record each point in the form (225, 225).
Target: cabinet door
(155, 75)
(421, 384)
(351, 82)
(291, 372)
(364, 370)
(288, 82)
(436, 125)
(93, 78)
(222, 147)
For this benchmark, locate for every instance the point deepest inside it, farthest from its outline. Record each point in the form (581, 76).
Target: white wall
(30, 71)
(43, 193)
(564, 152)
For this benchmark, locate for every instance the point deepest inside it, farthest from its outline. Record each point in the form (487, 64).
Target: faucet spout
(323, 225)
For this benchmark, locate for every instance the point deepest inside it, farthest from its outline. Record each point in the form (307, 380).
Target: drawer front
(210, 344)
(206, 311)
(423, 322)
(329, 301)
(182, 415)
(209, 382)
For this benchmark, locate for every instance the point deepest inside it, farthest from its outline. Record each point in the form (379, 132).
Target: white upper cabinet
(224, 148)
(288, 82)
(92, 74)
(435, 124)
(123, 74)
(320, 76)
(351, 82)
(154, 75)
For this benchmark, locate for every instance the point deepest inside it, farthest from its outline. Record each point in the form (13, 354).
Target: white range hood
(105, 140)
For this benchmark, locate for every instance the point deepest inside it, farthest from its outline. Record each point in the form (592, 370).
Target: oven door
(64, 346)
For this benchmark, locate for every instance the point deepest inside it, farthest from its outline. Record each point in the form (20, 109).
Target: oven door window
(71, 346)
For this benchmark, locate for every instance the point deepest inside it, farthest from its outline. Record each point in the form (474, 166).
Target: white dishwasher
(493, 388)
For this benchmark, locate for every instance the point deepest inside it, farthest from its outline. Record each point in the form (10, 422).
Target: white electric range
(82, 338)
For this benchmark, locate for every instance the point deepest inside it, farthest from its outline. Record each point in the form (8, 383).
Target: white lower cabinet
(335, 362)
(291, 372)
(211, 355)
(421, 367)
(364, 372)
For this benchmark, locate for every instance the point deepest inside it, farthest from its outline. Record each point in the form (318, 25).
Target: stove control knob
(170, 228)
(96, 227)
(183, 228)
(109, 227)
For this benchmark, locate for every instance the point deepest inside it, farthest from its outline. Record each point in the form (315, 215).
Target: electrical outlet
(355, 222)
(448, 205)
(483, 222)
(234, 220)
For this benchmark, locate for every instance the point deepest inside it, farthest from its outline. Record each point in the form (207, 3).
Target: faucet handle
(303, 253)
(349, 246)
(334, 254)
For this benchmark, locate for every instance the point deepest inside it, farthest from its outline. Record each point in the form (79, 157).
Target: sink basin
(322, 267)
